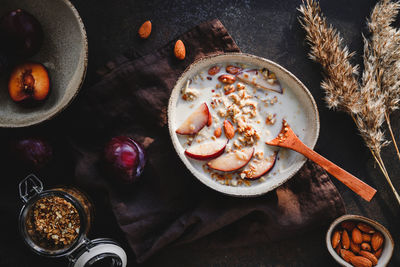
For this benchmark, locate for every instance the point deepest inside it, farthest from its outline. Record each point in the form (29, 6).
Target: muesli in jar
(53, 223)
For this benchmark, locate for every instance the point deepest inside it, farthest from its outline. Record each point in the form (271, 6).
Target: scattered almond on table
(358, 243)
(180, 50)
(145, 30)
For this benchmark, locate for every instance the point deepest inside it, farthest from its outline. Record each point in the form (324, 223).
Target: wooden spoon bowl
(288, 139)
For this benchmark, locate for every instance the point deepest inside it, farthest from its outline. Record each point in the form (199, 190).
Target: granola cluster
(54, 222)
(189, 94)
(239, 110)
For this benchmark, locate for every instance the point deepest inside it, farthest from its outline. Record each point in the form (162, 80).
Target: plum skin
(22, 33)
(125, 159)
(33, 152)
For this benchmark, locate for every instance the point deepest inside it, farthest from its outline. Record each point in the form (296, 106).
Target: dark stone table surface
(269, 29)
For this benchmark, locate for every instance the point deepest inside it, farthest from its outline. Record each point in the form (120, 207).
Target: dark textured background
(264, 28)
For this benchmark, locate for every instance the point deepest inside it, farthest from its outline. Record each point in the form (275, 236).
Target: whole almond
(365, 228)
(354, 247)
(359, 261)
(214, 70)
(218, 132)
(376, 241)
(228, 129)
(233, 69)
(145, 30)
(366, 237)
(180, 50)
(369, 256)
(378, 253)
(356, 236)
(227, 78)
(345, 240)
(346, 254)
(366, 246)
(335, 239)
(348, 225)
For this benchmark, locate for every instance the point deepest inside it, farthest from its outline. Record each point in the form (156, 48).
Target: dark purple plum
(125, 159)
(33, 152)
(22, 33)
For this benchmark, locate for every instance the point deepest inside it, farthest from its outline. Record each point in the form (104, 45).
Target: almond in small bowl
(353, 240)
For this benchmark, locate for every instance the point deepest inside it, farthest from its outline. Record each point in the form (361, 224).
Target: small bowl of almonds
(357, 241)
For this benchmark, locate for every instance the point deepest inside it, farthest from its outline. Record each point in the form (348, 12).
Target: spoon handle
(359, 187)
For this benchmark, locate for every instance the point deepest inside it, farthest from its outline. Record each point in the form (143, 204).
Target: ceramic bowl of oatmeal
(224, 108)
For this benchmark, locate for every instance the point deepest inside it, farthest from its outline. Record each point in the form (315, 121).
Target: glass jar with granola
(55, 223)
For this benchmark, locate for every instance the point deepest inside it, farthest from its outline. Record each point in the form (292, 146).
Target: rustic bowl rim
(355, 217)
(205, 180)
(62, 105)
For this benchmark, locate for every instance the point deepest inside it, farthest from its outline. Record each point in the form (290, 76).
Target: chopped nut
(235, 98)
(221, 112)
(240, 86)
(271, 119)
(259, 155)
(229, 89)
(215, 118)
(237, 145)
(218, 132)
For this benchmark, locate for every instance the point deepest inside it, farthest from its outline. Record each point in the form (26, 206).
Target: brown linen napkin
(169, 206)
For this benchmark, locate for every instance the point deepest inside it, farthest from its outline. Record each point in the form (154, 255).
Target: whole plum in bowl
(22, 33)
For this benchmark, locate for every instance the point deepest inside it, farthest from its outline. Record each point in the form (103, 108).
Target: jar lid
(100, 252)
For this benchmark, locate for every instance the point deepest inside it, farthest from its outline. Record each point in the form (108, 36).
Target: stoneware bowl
(388, 245)
(308, 127)
(64, 53)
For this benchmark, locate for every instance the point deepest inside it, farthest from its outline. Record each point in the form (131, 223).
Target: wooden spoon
(288, 139)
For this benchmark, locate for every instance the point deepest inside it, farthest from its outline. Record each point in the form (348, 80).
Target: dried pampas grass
(372, 102)
(378, 94)
(340, 83)
(385, 55)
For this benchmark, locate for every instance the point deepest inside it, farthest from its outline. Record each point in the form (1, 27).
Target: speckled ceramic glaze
(309, 123)
(388, 245)
(64, 53)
